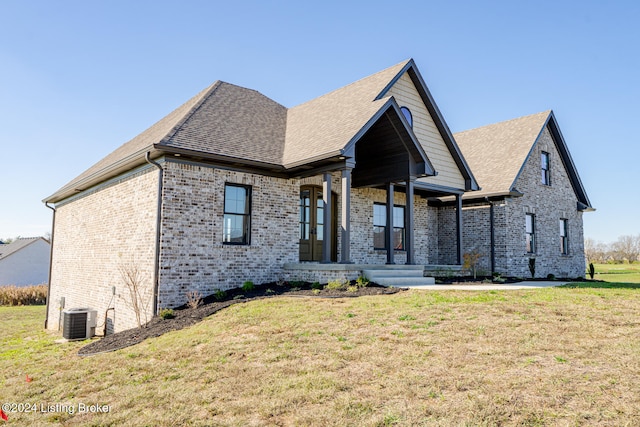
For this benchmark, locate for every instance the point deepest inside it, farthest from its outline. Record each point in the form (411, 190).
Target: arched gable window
(407, 115)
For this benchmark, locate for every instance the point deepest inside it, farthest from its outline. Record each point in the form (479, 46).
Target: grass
(555, 356)
(628, 273)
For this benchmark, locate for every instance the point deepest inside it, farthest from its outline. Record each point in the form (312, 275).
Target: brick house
(531, 202)
(232, 186)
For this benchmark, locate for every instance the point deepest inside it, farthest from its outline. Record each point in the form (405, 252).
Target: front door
(312, 224)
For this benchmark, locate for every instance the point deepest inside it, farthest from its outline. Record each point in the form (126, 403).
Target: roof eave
(115, 169)
(202, 155)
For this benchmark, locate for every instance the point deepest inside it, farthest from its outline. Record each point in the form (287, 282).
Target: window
(546, 169)
(380, 225)
(564, 238)
(237, 214)
(407, 115)
(531, 233)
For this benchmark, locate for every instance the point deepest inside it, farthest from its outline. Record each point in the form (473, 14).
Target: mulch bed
(185, 317)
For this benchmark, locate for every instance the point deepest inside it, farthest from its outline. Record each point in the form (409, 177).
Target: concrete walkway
(489, 286)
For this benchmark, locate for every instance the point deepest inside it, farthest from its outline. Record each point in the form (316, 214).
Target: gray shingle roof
(231, 122)
(327, 124)
(496, 153)
(18, 244)
(143, 142)
(235, 122)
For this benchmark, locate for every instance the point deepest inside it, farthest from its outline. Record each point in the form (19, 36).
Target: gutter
(156, 255)
(492, 234)
(53, 230)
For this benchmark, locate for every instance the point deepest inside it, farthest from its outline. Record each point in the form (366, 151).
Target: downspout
(53, 230)
(492, 235)
(158, 221)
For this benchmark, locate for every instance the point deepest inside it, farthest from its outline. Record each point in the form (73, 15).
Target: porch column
(345, 222)
(459, 227)
(389, 230)
(326, 219)
(408, 222)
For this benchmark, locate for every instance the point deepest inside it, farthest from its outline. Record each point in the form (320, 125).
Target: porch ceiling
(388, 152)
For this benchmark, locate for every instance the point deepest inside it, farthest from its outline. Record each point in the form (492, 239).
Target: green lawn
(553, 356)
(628, 273)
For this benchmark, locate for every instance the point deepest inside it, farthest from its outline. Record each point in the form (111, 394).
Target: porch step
(399, 277)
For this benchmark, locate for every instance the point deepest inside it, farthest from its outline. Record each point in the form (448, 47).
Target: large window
(546, 168)
(237, 214)
(564, 237)
(531, 233)
(380, 225)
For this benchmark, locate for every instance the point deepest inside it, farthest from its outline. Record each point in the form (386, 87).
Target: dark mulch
(480, 280)
(185, 317)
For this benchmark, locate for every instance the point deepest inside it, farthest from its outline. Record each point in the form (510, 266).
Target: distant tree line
(625, 249)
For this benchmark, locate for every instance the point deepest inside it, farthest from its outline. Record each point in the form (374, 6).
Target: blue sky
(80, 78)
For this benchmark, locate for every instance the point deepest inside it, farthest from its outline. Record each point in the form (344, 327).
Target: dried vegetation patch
(532, 357)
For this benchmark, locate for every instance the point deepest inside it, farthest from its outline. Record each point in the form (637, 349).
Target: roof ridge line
(208, 93)
(351, 84)
(547, 112)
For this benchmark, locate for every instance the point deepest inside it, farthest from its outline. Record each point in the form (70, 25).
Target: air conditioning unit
(79, 323)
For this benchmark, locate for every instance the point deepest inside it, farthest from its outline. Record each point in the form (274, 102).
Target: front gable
(563, 174)
(406, 95)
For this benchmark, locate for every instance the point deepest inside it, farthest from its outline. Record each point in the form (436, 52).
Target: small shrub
(194, 299)
(352, 288)
(316, 291)
(296, 283)
(551, 276)
(316, 285)
(362, 282)
(167, 313)
(337, 284)
(248, 286)
(219, 294)
(281, 281)
(269, 291)
(471, 261)
(592, 270)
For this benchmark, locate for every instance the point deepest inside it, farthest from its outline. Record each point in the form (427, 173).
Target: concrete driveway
(489, 286)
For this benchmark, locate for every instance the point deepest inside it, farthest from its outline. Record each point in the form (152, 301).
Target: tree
(626, 248)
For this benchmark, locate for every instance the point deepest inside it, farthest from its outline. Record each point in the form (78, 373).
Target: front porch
(373, 204)
(383, 274)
